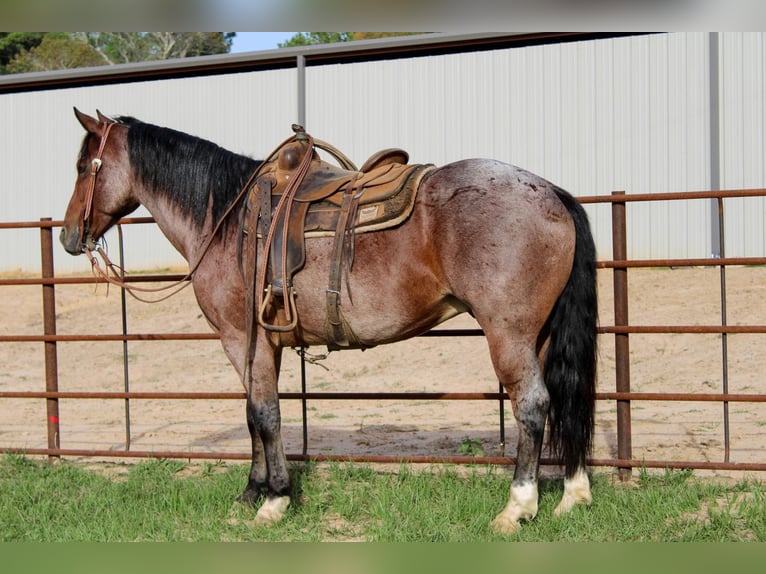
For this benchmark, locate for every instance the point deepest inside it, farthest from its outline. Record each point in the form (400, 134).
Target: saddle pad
(375, 211)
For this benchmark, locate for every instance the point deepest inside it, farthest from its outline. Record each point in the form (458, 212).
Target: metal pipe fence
(624, 399)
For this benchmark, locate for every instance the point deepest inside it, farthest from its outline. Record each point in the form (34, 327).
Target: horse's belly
(388, 295)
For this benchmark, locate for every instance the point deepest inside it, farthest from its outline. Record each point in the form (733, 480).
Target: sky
(255, 41)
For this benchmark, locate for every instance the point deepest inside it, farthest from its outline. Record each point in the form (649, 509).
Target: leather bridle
(95, 167)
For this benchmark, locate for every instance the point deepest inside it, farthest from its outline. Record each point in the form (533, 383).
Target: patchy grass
(162, 500)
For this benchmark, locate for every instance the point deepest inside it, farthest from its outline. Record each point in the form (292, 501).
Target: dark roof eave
(345, 52)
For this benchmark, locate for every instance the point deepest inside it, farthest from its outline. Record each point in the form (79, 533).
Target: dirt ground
(691, 431)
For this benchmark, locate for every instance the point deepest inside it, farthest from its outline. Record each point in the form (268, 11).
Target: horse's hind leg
(576, 491)
(269, 475)
(517, 367)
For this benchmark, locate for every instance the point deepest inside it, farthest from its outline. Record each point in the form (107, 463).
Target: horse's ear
(103, 118)
(90, 124)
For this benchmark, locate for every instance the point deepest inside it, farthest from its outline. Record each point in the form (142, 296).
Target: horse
(484, 237)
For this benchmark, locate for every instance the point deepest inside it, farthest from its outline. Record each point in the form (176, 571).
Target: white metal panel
(594, 117)
(743, 137)
(688, 224)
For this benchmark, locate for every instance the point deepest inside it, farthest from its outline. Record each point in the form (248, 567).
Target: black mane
(187, 170)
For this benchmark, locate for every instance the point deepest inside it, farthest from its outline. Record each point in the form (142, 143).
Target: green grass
(470, 447)
(161, 500)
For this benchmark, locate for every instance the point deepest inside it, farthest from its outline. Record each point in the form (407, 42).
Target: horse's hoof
(576, 491)
(272, 511)
(569, 502)
(504, 525)
(249, 498)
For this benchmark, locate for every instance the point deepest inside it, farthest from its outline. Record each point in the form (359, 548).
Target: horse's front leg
(234, 345)
(269, 474)
(257, 483)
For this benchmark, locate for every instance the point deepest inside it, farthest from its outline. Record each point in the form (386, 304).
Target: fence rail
(621, 331)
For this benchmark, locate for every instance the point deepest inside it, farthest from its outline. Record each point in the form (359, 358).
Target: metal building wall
(743, 138)
(626, 114)
(629, 113)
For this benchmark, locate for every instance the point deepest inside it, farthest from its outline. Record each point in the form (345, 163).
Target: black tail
(570, 361)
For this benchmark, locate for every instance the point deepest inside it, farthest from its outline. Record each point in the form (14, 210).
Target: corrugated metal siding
(743, 137)
(628, 113)
(623, 114)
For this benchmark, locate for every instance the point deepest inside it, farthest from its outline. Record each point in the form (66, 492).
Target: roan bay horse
(484, 237)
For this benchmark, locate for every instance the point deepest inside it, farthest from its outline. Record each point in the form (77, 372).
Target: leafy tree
(122, 47)
(12, 43)
(373, 35)
(312, 38)
(56, 52)
(60, 50)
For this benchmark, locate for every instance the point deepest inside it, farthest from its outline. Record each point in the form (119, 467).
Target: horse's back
(491, 187)
(479, 205)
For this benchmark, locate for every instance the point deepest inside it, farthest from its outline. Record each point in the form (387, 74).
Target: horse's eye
(81, 167)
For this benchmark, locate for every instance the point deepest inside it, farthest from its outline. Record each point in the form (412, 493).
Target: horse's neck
(181, 230)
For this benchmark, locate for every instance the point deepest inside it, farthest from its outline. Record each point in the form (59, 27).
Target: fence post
(49, 328)
(621, 344)
(724, 338)
(125, 354)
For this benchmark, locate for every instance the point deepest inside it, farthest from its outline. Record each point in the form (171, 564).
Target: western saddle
(295, 196)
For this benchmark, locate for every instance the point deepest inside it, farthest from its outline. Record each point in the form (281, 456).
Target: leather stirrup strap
(339, 334)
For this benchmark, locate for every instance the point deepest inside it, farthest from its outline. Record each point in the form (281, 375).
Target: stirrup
(289, 301)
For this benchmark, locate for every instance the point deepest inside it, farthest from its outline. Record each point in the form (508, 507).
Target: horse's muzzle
(70, 239)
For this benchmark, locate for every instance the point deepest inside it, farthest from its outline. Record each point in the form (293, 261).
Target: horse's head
(103, 189)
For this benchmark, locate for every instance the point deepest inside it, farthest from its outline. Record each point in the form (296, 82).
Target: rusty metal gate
(621, 396)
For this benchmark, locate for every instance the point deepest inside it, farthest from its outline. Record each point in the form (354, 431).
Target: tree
(373, 35)
(57, 51)
(12, 43)
(312, 38)
(122, 47)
